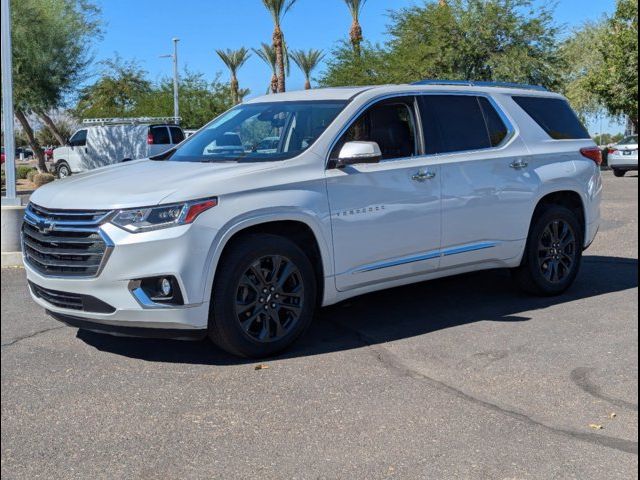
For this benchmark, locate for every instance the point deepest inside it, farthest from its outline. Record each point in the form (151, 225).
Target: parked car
(624, 156)
(369, 188)
(104, 142)
(23, 152)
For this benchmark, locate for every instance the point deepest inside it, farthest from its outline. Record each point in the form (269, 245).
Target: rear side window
(454, 123)
(160, 135)
(495, 126)
(555, 116)
(177, 135)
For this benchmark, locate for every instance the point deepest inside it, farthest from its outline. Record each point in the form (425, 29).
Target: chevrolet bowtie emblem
(46, 228)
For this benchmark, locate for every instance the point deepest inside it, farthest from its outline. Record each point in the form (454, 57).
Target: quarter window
(555, 116)
(391, 124)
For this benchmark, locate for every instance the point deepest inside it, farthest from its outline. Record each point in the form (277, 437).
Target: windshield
(260, 132)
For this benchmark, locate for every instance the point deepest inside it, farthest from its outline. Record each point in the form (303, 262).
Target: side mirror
(353, 153)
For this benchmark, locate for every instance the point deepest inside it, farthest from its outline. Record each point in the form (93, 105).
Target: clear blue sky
(142, 30)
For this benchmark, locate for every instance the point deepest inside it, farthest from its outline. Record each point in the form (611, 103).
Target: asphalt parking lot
(457, 378)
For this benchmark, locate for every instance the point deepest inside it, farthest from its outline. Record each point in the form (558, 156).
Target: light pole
(174, 56)
(7, 107)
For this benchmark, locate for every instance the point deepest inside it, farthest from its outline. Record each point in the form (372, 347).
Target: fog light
(165, 287)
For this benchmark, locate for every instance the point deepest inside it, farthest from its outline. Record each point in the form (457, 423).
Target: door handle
(519, 164)
(423, 176)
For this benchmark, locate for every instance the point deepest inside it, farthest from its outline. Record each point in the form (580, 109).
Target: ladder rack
(130, 121)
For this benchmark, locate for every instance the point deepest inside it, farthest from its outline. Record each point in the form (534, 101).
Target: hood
(139, 183)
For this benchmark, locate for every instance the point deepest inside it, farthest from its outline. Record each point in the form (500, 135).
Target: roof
(347, 93)
(341, 93)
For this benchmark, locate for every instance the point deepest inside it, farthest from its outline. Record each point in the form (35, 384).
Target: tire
(245, 271)
(619, 173)
(556, 272)
(63, 170)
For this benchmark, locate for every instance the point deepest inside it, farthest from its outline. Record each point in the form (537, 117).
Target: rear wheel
(619, 173)
(553, 254)
(263, 298)
(63, 170)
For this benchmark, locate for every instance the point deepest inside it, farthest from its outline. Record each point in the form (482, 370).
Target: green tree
(234, 60)
(51, 51)
(616, 83)
(355, 34)
(491, 40)
(581, 57)
(200, 101)
(268, 55)
(307, 62)
(117, 91)
(278, 9)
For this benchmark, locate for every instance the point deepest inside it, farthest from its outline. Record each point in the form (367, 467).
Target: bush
(22, 171)
(31, 173)
(40, 179)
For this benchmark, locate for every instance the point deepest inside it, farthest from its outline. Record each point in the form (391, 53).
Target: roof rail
(473, 83)
(130, 121)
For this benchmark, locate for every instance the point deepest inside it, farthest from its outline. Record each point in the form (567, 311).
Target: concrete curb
(11, 259)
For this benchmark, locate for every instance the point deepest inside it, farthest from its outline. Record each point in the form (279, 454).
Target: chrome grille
(66, 243)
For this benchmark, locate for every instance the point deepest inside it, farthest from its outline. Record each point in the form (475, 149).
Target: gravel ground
(457, 378)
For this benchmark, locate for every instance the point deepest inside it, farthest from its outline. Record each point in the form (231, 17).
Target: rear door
(385, 217)
(177, 135)
(159, 139)
(488, 186)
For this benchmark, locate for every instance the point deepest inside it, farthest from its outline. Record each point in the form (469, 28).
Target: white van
(102, 142)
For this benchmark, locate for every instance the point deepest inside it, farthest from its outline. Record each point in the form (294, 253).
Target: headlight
(137, 220)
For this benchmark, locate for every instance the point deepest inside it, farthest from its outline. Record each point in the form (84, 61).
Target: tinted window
(390, 124)
(286, 128)
(453, 123)
(495, 126)
(177, 135)
(555, 116)
(160, 135)
(79, 139)
(632, 140)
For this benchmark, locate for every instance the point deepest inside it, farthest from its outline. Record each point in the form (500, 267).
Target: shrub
(40, 179)
(22, 171)
(31, 173)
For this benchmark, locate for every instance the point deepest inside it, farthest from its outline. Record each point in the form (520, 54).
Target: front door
(386, 216)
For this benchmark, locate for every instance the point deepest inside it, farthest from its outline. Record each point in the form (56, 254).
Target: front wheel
(264, 296)
(553, 254)
(63, 170)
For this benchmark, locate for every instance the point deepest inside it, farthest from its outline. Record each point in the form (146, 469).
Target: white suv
(365, 189)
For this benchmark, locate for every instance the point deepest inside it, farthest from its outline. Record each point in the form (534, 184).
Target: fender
(259, 217)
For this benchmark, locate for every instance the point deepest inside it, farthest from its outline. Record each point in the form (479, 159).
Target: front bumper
(181, 252)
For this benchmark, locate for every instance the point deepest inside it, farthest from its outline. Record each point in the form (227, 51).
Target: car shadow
(397, 313)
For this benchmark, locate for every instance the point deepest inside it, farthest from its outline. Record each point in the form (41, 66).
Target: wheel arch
(570, 199)
(300, 228)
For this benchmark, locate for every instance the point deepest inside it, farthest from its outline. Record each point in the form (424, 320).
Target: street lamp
(7, 108)
(174, 56)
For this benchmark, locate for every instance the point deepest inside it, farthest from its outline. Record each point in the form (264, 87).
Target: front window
(260, 132)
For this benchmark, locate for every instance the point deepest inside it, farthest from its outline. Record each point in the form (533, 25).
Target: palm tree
(268, 55)
(234, 60)
(278, 9)
(308, 62)
(355, 7)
